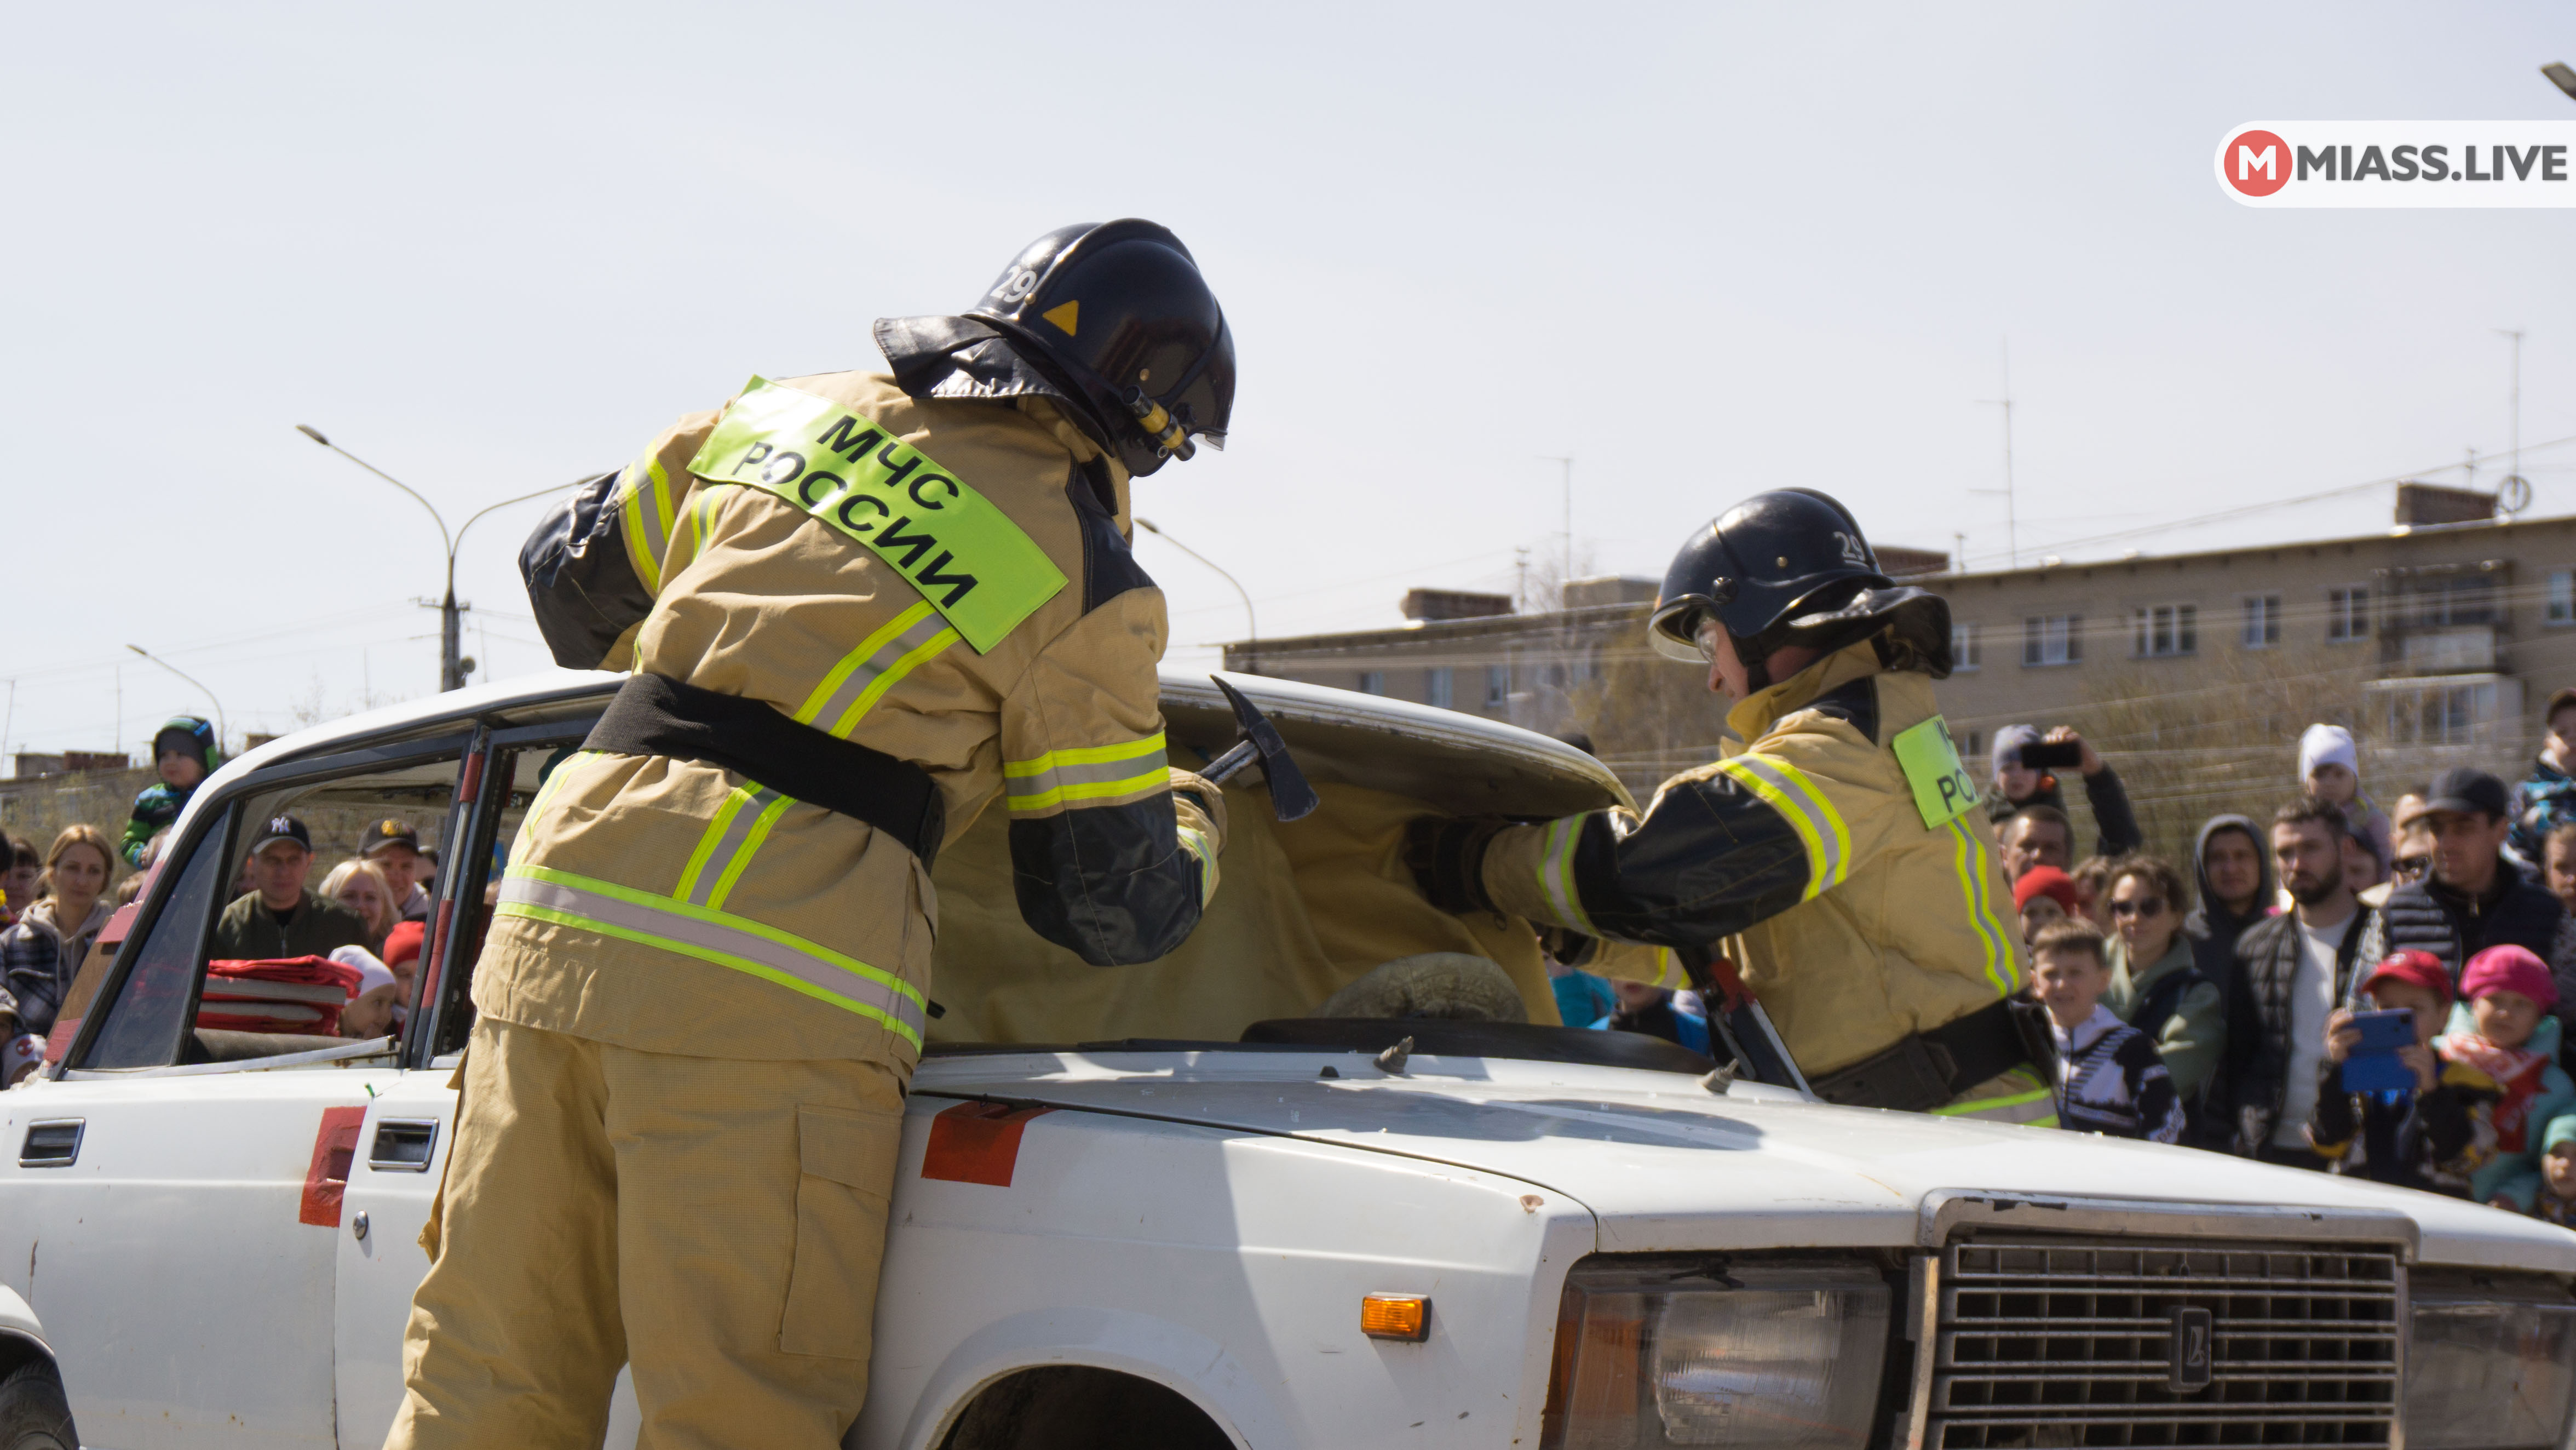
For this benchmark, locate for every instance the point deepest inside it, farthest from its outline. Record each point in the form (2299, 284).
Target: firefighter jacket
(947, 582)
(1841, 847)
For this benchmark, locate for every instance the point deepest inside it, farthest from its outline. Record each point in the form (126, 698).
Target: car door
(173, 1206)
(410, 1124)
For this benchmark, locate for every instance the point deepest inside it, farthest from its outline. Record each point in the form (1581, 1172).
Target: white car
(1514, 1236)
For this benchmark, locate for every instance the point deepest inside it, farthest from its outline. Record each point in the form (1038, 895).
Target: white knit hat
(2327, 745)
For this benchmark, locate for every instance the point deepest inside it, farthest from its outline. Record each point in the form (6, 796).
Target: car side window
(285, 935)
(142, 1027)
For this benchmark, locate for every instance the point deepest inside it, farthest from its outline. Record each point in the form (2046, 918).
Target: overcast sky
(1704, 250)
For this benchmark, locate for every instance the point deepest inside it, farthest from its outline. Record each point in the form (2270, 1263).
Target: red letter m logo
(2249, 161)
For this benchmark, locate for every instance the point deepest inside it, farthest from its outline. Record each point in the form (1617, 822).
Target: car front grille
(2045, 1342)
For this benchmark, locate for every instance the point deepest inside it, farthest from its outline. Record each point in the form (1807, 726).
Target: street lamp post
(1252, 645)
(452, 666)
(221, 729)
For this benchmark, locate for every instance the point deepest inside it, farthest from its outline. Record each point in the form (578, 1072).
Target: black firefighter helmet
(1119, 313)
(1791, 567)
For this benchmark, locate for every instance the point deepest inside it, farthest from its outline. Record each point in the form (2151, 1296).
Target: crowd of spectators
(2326, 984)
(283, 957)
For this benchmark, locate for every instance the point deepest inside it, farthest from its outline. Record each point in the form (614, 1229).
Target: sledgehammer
(1290, 795)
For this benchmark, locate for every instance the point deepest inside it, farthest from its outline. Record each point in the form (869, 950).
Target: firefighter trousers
(716, 1223)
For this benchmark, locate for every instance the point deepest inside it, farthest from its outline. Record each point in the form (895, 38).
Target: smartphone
(2047, 755)
(2372, 1065)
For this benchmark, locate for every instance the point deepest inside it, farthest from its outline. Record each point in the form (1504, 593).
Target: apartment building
(2445, 631)
(2435, 640)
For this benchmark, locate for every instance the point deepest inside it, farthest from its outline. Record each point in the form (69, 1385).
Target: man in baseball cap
(395, 848)
(2473, 898)
(279, 918)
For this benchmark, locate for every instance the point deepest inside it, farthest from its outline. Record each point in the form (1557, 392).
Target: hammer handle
(1224, 766)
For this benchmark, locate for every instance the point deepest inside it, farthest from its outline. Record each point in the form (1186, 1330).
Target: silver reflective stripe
(701, 889)
(1137, 772)
(844, 696)
(1795, 797)
(692, 934)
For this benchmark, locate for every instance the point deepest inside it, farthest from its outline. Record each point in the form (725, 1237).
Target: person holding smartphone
(2392, 1135)
(2026, 763)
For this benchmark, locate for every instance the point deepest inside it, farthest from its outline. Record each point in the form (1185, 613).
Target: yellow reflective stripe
(708, 839)
(750, 846)
(866, 651)
(1668, 970)
(1198, 845)
(876, 689)
(738, 942)
(1092, 790)
(1556, 873)
(1085, 772)
(2002, 968)
(1085, 755)
(662, 517)
(643, 546)
(1819, 827)
(1989, 1104)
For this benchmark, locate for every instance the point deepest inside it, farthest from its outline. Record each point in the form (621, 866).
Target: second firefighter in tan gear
(702, 994)
(1834, 856)
(1855, 924)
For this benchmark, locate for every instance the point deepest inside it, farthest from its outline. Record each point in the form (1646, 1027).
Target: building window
(1967, 646)
(2451, 712)
(2348, 615)
(2562, 596)
(1372, 682)
(1974, 746)
(2165, 630)
(1498, 686)
(2053, 639)
(2262, 621)
(1436, 686)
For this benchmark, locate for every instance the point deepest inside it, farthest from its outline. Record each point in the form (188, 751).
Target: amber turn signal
(1396, 1316)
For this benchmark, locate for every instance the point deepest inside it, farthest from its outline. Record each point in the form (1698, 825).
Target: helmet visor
(1677, 630)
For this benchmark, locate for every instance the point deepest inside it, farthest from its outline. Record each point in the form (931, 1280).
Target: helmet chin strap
(1757, 666)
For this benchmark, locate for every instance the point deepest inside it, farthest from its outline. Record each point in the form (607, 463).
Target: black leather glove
(1447, 857)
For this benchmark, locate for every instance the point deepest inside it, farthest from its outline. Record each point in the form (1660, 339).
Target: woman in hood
(42, 953)
(2234, 875)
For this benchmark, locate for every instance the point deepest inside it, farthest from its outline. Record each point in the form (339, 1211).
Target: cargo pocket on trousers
(845, 1174)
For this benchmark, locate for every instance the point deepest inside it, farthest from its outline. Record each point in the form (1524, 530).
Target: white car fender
(19, 1322)
(1177, 1358)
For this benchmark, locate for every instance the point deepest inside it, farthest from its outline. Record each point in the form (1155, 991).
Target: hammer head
(1290, 795)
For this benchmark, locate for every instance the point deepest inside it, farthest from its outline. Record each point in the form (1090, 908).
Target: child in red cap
(2043, 895)
(2501, 1055)
(2394, 1136)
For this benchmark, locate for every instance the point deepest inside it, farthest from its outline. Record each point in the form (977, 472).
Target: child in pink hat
(2501, 1053)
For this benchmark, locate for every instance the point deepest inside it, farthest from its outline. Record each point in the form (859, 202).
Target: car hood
(1664, 1164)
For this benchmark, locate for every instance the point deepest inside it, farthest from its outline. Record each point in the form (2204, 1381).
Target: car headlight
(2491, 1364)
(1703, 1351)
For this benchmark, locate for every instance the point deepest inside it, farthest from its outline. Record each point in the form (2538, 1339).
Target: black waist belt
(655, 715)
(1930, 1068)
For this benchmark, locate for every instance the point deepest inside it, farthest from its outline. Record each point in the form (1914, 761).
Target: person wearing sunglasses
(1843, 842)
(2156, 986)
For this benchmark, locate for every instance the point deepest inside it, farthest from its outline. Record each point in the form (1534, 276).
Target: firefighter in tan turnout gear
(1839, 848)
(860, 608)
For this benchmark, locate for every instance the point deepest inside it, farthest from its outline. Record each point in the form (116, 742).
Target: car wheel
(33, 1413)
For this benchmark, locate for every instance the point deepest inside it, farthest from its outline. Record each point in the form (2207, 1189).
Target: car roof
(1459, 762)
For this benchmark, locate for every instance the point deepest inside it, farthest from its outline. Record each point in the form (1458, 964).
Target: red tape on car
(977, 1143)
(334, 1149)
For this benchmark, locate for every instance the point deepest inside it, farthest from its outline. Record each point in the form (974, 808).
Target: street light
(221, 730)
(1252, 645)
(451, 668)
